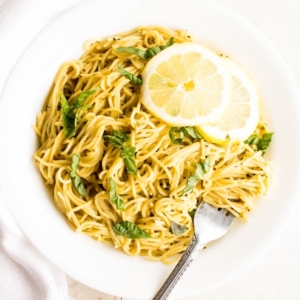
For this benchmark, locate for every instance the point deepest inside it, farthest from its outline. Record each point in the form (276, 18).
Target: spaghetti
(153, 197)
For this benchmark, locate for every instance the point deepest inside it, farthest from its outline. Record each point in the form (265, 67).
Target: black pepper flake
(114, 39)
(204, 247)
(189, 36)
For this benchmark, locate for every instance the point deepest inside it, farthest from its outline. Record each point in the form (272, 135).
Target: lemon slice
(186, 85)
(242, 115)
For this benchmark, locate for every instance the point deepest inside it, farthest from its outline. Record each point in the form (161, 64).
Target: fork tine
(211, 223)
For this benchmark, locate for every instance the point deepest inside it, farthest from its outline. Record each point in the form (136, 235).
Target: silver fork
(210, 224)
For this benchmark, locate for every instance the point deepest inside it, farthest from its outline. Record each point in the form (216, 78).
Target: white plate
(100, 266)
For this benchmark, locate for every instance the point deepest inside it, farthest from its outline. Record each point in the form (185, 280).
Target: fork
(210, 223)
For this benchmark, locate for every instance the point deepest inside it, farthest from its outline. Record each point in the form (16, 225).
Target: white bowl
(100, 266)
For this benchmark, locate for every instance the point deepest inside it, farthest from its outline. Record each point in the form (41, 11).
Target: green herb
(252, 140)
(113, 197)
(174, 131)
(74, 177)
(178, 229)
(130, 231)
(153, 51)
(170, 42)
(118, 138)
(68, 114)
(156, 49)
(82, 97)
(69, 117)
(139, 52)
(191, 131)
(192, 213)
(263, 143)
(201, 169)
(75, 163)
(177, 134)
(127, 154)
(130, 76)
(148, 53)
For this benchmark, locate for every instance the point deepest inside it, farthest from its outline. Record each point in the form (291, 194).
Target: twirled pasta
(238, 174)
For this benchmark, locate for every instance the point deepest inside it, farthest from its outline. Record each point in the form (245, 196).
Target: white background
(277, 274)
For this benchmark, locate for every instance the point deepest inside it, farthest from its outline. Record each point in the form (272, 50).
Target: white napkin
(25, 274)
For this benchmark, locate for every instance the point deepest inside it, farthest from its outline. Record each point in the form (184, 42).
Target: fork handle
(188, 256)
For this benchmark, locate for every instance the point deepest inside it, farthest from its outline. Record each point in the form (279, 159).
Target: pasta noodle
(237, 176)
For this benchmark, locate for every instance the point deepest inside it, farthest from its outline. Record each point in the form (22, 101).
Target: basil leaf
(178, 229)
(156, 49)
(201, 169)
(182, 132)
(192, 213)
(113, 197)
(148, 53)
(128, 156)
(179, 133)
(133, 50)
(130, 165)
(153, 51)
(130, 76)
(265, 141)
(83, 96)
(130, 230)
(127, 152)
(68, 116)
(252, 140)
(79, 186)
(169, 43)
(192, 132)
(191, 182)
(118, 138)
(75, 163)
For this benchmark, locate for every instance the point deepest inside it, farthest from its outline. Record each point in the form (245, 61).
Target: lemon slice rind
(216, 132)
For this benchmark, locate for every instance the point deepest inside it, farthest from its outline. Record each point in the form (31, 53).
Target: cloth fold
(25, 274)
